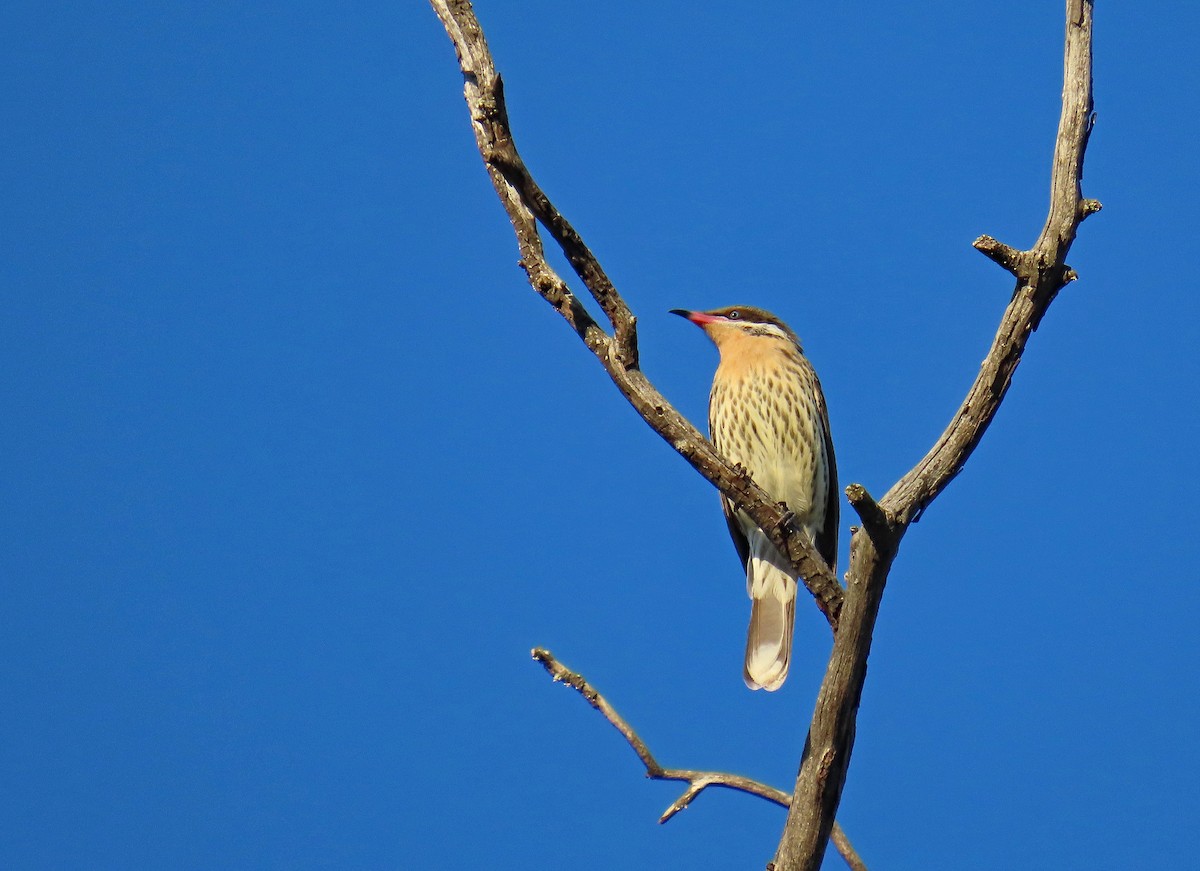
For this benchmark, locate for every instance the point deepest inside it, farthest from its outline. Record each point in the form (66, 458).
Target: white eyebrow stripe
(764, 330)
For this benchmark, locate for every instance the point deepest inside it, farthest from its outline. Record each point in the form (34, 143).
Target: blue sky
(298, 469)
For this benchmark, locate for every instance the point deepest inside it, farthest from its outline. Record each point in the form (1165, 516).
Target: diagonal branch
(697, 781)
(1040, 272)
(527, 205)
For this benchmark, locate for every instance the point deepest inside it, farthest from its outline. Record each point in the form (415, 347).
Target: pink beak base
(697, 318)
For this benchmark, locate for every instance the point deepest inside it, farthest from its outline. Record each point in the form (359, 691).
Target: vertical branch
(826, 757)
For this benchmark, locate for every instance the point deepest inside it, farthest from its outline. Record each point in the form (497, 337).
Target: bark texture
(527, 206)
(1040, 273)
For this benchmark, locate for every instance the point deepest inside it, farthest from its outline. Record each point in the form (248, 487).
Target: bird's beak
(697, 318)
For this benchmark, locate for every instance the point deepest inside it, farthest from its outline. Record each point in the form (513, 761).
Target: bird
(766, 412)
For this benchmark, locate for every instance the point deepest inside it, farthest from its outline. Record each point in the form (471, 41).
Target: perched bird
(766, 412)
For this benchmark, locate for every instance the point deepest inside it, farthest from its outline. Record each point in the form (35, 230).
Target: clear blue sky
(298, 469)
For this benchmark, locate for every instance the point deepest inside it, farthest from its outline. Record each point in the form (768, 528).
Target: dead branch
(1041, 272)
(697, 781)
(527, 205)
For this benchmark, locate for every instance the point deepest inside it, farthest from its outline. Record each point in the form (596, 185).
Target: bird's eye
(734, 315)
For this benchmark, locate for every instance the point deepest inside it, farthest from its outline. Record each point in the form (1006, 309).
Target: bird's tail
(772, 592)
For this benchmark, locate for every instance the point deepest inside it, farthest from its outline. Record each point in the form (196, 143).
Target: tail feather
(772, 616)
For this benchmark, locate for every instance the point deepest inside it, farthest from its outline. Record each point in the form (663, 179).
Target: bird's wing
(827, 538)
(735, 532)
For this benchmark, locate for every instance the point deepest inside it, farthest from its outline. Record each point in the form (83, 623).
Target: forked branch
(697, 781)
(1040, 272)
(527, 206)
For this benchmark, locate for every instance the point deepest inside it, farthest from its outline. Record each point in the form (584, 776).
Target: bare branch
(697, 781)
(875, 520)
(563, 674)
(843, 845)
(1041, 272)
(826, 757)
(526, 204)
(1003, 255)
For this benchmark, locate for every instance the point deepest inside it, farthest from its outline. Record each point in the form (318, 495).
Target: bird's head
(729, 324)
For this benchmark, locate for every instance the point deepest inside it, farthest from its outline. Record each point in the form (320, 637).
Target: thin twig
(843, 845)
(697, 781)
